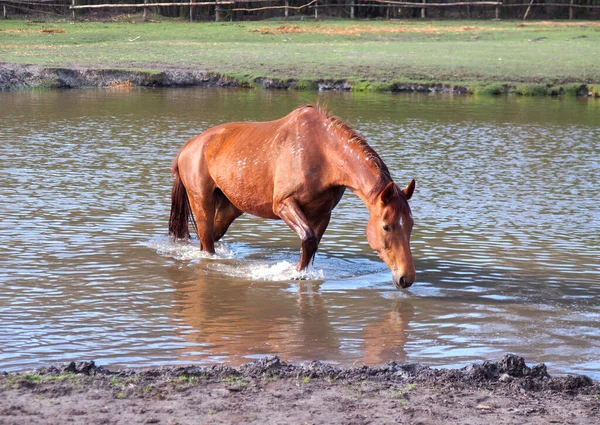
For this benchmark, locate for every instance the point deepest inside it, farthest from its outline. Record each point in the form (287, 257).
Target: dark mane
(359, 141)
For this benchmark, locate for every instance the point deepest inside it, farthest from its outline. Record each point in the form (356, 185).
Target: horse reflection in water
(236, 320)
(384, 340)
(295, 169)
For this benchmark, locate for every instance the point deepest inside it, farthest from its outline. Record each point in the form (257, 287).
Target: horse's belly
(254, 185)
(249, 197)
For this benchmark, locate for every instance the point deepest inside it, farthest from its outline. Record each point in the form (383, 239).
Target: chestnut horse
(295, 169)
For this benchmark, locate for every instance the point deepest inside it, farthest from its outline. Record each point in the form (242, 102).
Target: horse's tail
(180, 208)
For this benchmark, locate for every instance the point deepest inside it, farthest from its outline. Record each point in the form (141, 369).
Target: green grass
(402, 394)
(61, 378)
(532, 90)
(16, 380)
(190, 380)
(267, 377)
(238, 381)
(594, 89)
(490, 89)
(374, 55)
(33, 379)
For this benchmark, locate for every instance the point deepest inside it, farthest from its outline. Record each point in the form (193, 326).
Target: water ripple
(506, 237)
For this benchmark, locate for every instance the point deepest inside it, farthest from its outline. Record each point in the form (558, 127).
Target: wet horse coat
(295, 169)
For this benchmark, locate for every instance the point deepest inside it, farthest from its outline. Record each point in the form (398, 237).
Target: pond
(506, 239)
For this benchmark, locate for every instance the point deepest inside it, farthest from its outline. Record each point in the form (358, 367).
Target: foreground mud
(270, 391)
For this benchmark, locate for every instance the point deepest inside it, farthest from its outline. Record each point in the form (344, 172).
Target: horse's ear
(387, 194)
(408, 190)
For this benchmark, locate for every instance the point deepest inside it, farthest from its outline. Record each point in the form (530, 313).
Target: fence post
(423, 9)
(287, 4)
(73, 4)
(191, 11)
(4, 11)
(571, 11)
(217, 12)
(316, 11)
(498, 11)
(145, 14)
(528, 9)
(352, 9)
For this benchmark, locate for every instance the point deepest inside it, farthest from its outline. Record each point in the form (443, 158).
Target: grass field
(370, 54)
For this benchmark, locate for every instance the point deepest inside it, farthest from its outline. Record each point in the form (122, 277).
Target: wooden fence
(221, 7)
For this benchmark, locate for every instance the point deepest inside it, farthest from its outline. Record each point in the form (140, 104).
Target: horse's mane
(356, 139)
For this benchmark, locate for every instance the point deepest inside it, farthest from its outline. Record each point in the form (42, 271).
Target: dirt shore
(270, 391)
(19, 77)
(23, 77)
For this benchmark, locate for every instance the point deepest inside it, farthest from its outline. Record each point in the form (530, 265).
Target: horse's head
(388, 232)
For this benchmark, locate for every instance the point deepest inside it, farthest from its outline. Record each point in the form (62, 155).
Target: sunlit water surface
(506, 240)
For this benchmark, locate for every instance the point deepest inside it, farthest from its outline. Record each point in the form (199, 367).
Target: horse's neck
(360, 174)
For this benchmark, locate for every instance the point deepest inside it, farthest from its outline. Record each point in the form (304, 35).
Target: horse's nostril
(404, 282)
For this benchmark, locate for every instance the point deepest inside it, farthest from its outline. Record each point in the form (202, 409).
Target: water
(506, 238)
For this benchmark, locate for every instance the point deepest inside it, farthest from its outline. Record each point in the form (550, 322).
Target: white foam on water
(240, 261)
(284, 270)
(186, 251)
(241, 268)
(280, 271)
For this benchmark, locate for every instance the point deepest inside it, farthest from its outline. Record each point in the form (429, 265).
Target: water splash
(185, 251)
(239, 267)
(280, 271)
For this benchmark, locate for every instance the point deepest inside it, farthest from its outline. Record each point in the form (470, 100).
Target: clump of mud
(509, 373)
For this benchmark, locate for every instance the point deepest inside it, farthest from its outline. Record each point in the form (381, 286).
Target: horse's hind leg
(225, 213)
(203, 208)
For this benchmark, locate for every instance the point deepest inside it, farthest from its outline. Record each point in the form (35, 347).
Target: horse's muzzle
(403, 282)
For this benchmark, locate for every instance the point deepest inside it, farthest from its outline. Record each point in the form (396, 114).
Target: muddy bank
(15, 77)
(19, 77)
(271, 391)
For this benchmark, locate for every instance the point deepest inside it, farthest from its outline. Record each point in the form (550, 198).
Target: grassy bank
(486, 56)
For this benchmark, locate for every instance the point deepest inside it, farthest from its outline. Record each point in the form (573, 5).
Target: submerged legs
(214, 213)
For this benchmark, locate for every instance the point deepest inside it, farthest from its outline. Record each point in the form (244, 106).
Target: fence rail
(142, 5)
(245, 5)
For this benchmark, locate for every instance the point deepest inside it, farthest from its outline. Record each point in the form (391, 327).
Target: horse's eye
(386, 228)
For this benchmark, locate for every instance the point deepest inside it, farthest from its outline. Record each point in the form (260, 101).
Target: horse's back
(255, 164)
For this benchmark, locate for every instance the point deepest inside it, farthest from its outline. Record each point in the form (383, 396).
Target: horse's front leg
(291, 213)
